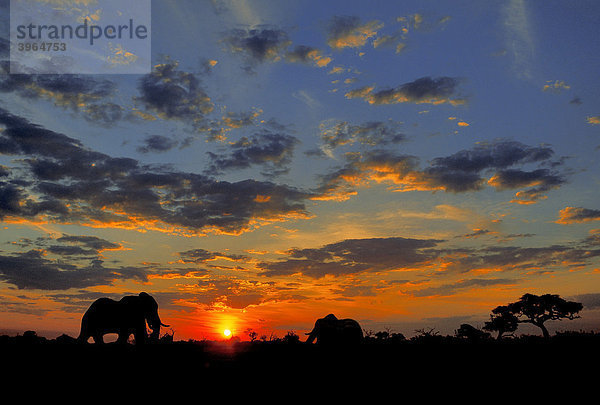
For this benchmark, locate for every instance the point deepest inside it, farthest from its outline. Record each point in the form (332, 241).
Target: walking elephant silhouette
(331, 331)
(124, 317)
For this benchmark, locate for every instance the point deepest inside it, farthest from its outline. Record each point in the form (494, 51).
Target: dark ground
(565, 359)
(431, 371)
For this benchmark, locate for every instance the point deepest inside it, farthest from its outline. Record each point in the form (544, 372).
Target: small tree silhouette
(251, 334)
(382, 335)
(291, 337)
(502, 320)
(532, 309)
(427, 336)
(397, 337)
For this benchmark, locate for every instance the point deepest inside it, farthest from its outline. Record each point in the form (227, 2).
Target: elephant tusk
(166, 326)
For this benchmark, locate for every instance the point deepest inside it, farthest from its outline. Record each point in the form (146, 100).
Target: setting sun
(227, 332)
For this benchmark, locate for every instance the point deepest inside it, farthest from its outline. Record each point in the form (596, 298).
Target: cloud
(361, 168)
(227, 292)
(308, 55)
(594, 238)
(571, 215)
(454, 288)
(69, 91)
(349, 32)
(92, 243)
(32, 270)
(593, 120)
(157, 143)
(373, 133)
(540, 181)
(412, 21)
(556, 86)
(259, 45)
(589, 301)
(424, 90)
(577, 101)
(69, 246)
(307, 99)
(240, 120)
(174, 94)
(65, 182)
(518, 37)
(273, 151)
(386, 40)
(461, 172)
(525, 259)
(217, 130)
(498, 155)
(166, 92)
(424, 263)
(352, 256)
(336, 70)
(106, 114)
(477, 233)
(88, 95)
(202, 256)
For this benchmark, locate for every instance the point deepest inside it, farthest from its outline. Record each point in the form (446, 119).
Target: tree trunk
(544, 330)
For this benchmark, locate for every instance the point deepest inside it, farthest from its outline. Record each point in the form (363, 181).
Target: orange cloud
(352, 34)
(425, 90)
(593, 120)
(571, 215)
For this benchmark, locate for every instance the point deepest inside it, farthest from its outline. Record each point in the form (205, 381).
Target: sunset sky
(408, 164)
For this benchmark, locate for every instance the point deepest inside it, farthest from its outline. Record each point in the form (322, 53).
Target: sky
(406, 164)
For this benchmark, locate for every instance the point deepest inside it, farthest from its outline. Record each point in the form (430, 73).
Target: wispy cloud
(519, 38)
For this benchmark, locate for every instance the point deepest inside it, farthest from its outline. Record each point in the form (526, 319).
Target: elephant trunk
(155, 324)
(155, 334)
(311, 336)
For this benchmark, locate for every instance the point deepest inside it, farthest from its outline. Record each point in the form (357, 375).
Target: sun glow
(227, 332)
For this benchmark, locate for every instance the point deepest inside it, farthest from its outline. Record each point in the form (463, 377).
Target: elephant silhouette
(332, 331)
(124, 317)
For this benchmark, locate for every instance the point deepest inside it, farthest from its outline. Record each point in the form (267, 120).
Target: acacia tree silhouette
(532, 309)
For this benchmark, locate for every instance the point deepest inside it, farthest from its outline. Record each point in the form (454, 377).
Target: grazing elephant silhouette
(126, 316)
(333, 331)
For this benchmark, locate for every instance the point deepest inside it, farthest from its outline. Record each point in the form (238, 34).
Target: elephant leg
(83, 337)
(140, 335)
(123, 336)
(98, 338)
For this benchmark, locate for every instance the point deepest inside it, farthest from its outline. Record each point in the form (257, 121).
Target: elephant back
(351, 330)
(101, 304)
(341, 332)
